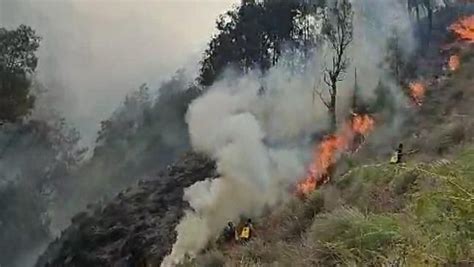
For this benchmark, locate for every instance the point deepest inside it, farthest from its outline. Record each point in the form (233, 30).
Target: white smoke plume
(259, 141)
(231, 124)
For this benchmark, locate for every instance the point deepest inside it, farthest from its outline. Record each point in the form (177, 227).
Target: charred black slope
(137, 226)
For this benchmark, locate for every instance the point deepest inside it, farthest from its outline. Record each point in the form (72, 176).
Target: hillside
(373, 213)
(313, 173)
(138, 225)
(379, 215)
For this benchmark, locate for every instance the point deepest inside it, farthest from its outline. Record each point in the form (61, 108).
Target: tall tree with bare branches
(339, 35)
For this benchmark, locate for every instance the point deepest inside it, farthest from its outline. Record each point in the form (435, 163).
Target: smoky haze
(95, 52)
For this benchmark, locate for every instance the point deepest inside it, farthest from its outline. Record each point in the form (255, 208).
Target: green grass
(348, 236)
(411, 215)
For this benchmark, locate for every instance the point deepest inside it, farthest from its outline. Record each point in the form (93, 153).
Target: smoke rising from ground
(261, 142)
(95, 52)
(229, 124)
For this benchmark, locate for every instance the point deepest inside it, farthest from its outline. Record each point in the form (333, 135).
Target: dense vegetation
(17, 62)
(257, 33)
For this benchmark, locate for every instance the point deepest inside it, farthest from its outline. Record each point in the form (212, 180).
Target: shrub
(377, 188)
(404, 182)
(212, 258)
(293, 218)
(444, 215)
(346, 235)
(257, 252)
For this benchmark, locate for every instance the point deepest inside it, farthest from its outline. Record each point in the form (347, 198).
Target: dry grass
(431, 225)
(211, 258)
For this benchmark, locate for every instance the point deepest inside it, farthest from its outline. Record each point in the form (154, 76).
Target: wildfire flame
(417, 92)
(454, 62)
(328, 151)
(464, 28)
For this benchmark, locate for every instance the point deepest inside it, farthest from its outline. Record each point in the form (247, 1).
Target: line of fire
(351, 135)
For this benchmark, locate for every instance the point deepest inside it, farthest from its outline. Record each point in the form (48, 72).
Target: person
(229, 232)
(247, 231)
(399, 153)
(397, 156)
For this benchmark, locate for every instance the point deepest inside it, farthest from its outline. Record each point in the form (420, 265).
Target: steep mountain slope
(377, 214)
(359, 219)
(136, 227)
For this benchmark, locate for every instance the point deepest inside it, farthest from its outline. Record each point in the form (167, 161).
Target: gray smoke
(95, 52)
(261, 143)
(92, 55)
(231, 123)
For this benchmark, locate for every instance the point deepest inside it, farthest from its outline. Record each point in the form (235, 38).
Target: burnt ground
(137, 227)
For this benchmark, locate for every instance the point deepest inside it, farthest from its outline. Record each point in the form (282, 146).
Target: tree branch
(319, 93)
(326, 79)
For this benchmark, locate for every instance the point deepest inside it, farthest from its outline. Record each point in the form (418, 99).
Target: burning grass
(417, 92)
(464, 29)
(454, 62)
(330, 149)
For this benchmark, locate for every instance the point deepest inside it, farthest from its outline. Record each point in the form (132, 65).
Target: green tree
(255, 34)
(17, 63)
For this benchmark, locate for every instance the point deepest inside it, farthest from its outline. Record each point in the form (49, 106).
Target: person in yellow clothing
(397, 155)
(247, 231)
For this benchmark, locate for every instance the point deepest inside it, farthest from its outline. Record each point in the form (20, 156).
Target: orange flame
(464, 28)
(328, 152)
(417, 92)
(362, 124)
(454, 63)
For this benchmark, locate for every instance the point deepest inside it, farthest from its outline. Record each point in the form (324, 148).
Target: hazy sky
(95, 51)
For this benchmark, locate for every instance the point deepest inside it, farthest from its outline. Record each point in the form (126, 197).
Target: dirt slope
(137, 227)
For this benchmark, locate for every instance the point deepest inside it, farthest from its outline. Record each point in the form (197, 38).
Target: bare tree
(339, 34)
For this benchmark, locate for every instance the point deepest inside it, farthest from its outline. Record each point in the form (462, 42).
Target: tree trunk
(417, 12)
(430, 20)
(332, 109)
(332, 119)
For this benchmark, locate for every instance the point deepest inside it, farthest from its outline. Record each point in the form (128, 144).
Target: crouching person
(247, 231)
(230, 233)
